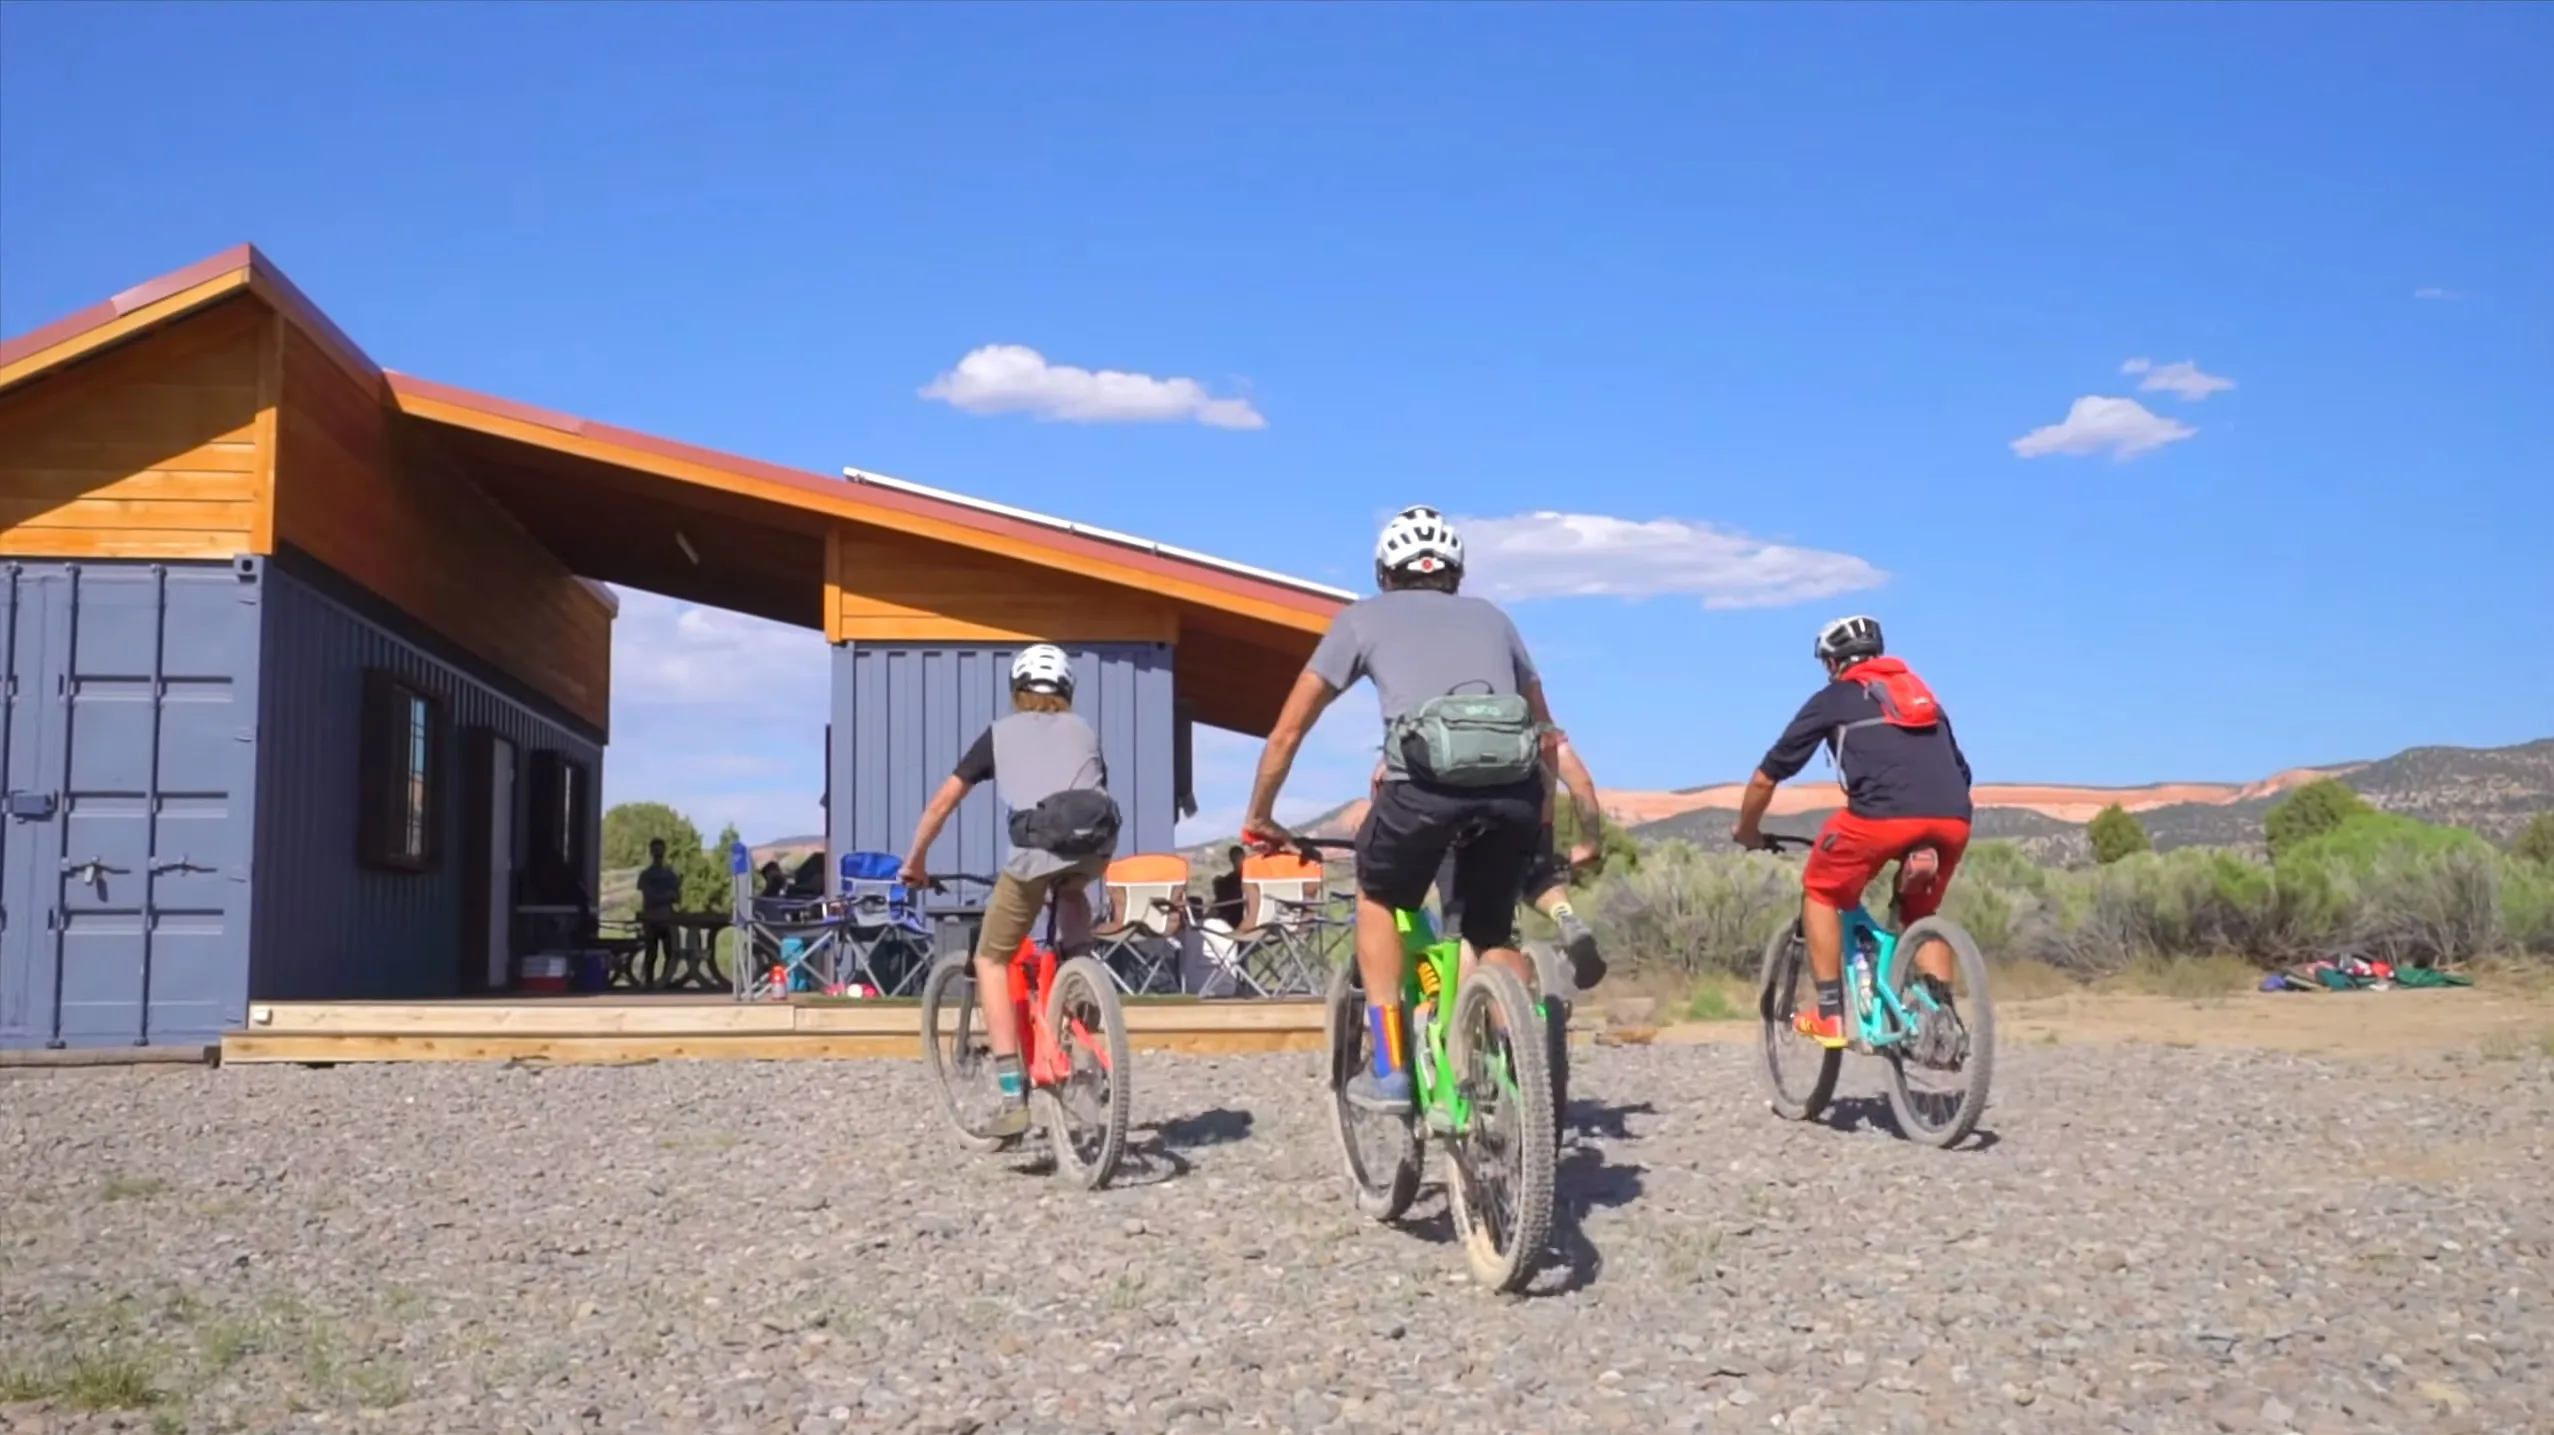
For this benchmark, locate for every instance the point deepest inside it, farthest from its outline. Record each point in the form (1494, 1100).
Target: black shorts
(1544, 871)
(1492, 832)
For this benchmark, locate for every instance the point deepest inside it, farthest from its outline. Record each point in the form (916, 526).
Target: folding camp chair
(1148, 902)
(1279, 944)
(885, 936)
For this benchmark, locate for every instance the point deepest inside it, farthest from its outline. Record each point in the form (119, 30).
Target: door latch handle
(182, 864)
(92, 872)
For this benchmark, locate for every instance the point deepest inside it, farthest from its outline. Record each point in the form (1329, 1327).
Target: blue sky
(1797, 310)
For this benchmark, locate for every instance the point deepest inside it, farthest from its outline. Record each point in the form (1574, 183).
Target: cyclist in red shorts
(1906, 796)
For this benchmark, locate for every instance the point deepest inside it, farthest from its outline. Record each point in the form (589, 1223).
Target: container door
(149, 738)
(30, 801)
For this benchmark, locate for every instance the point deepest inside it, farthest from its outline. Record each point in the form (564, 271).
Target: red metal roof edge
(149, 291)
(820, 485)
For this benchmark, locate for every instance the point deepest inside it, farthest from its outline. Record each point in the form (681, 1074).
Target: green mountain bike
(1485, 1096)
(1939, 1063)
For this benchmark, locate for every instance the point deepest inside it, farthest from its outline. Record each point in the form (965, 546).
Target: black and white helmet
(1042, 668)
(1418, 540)
(1849, 638)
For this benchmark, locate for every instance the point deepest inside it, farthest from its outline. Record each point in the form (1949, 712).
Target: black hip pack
(1078, 822)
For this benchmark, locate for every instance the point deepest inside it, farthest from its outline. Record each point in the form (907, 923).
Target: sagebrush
(2375, 883)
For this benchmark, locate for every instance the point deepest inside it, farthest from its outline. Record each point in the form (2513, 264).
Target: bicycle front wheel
(1938, 1075)
(961, 1063)
(1381, 1154)
(1500, 1168)
(1800, 1075)
(1087, 1114)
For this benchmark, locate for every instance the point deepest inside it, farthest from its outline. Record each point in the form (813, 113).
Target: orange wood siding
(892, 588)
(150, 450)
(365, 492)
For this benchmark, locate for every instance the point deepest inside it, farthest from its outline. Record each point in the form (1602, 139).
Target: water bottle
(1862, 962)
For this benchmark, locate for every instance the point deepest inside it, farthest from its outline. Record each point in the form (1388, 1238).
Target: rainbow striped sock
(1391, 1049)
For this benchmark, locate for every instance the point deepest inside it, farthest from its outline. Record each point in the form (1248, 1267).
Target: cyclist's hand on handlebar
(1583, 856)
(914, 876)
(1749, 837)
(1266, 834)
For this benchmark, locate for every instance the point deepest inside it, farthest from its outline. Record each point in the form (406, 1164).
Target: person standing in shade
(660, 892)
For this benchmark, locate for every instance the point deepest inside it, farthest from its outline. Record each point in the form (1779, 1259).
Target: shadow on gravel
(1599, 1121)
(1874, 1113)
(1153, 1151)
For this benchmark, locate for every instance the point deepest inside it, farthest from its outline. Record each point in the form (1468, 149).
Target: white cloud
(1013, 378)
(720, 715)
(2432, 291)
(1565, 555)
(2124, 428)
(2183, 378)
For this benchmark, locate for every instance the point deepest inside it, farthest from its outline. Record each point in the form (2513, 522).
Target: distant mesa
(2491, 790)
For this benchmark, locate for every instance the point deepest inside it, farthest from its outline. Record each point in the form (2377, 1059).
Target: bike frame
(1884, 1020)
(1430, 973)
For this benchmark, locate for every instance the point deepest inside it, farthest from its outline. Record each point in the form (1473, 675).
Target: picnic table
(692, 948)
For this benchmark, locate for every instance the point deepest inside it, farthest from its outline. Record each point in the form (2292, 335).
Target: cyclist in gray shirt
(1416, 640)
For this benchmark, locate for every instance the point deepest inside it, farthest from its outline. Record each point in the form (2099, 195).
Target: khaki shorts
(1017, 902)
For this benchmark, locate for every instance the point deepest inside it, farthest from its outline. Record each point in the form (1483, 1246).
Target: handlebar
(1308, 848)
(940, 882)
(1784, 841)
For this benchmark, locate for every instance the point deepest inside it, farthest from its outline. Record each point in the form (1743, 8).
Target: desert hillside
(2492, 790)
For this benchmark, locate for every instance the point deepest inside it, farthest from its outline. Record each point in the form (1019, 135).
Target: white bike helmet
(1042, 668)
(1418, 540)
(1849, 638)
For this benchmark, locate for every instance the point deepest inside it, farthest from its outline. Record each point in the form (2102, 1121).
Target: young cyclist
(1906, 797)
(1464, 756)
(1546, 885)
(1046, 763)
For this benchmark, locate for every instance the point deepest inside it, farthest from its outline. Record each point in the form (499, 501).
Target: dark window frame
(401, 781)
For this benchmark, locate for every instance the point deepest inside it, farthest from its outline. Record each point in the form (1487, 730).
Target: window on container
(401, 782)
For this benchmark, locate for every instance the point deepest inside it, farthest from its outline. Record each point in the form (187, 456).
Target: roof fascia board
(876, 507)
(43, 351)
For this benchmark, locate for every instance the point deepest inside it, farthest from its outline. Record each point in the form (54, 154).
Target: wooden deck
(695, 1028)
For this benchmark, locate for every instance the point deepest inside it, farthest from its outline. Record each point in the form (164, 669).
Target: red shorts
(1851, 851)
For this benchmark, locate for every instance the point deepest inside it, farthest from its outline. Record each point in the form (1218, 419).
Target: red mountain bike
(1072, 1049)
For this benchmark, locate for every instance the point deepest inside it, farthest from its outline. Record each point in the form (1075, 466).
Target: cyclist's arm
(1582, 789)
(1789, 754)
(1304, 706)
(973, 768)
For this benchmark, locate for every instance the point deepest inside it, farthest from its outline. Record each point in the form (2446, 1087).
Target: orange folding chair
(1148, 902)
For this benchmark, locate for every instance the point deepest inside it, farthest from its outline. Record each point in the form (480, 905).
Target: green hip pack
(1469, 740)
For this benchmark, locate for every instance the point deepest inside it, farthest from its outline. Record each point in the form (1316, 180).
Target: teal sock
(1008, 1076)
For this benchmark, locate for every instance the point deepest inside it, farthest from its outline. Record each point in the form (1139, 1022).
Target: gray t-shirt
(1031, 757)
(1416, 644)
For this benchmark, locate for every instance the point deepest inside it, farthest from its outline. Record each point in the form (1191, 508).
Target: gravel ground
(2148, 1239)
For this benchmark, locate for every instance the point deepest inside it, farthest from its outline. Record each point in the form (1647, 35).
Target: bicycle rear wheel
(1940, 1096)
(1500, 1169)
(954, 1047)
(1381, 1154)
(1087, 1116)
(1800, 1075)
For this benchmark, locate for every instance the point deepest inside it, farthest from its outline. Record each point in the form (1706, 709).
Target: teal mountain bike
(1940, 1059)
(1480, 1065)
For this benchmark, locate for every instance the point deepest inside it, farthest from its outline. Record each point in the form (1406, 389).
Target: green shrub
(2310, 811)
(2116, 834)
(1694, 911)
(2536, 844)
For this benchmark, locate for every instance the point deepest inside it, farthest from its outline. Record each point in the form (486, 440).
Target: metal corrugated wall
(326, 926)
(903, 713)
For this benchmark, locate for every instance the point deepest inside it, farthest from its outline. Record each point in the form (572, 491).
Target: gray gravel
(2151, 1239)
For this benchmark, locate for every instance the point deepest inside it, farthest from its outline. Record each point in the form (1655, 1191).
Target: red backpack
(1905, 702)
